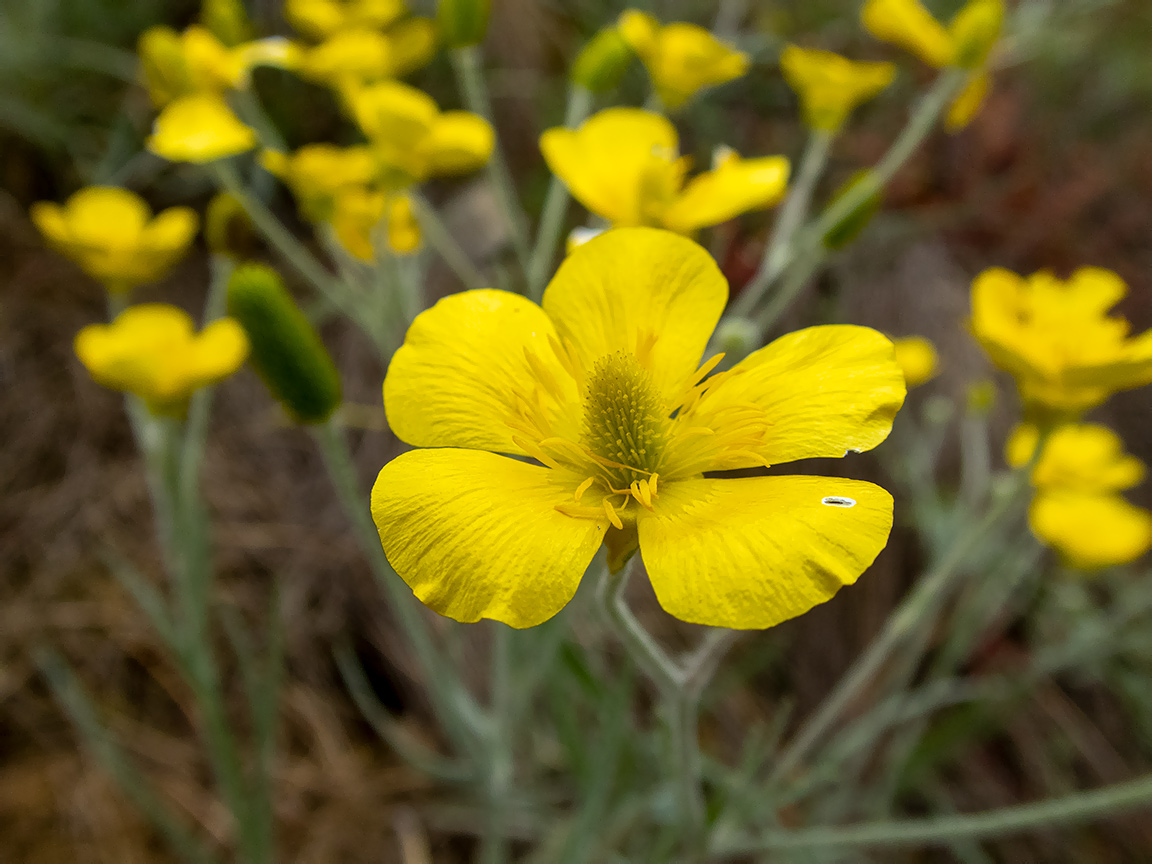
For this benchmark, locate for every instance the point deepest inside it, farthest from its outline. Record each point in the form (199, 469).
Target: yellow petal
(459, 143)
(403, 227)
(413, 45)
(219, 350)
(398, 120)
(355, 214)
(967, 103)
(1091, 531)
(831, 86)
(476, 535)
(753, 552)
(639, 30)
(908, 24)
(1086, 458)
(163, 65)
(736, 186)
(168, 235)
(824, 391)
(632, 288)
(349, 57)
(319, 19)
(687, 58)
(604, 161)
(199, 129)
(455, 380)
(974, 32)
(917, 359)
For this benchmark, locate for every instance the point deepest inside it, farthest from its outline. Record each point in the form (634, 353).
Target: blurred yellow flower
(318, 173)
(319, 19)
(360, 212)
(623, 164)
(602, 387)
(1076, 509)
(831, 86)
(199, 128)
(917, 359)
(180, 64)
(152, 351)
(413, 140)
(681, 59)
(111, 234)
(352, 58)
(965, 43)
(1057, 338)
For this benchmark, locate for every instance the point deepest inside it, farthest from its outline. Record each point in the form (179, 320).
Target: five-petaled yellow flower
(1057, 338)
(624, 164)
(602, 388)
(200, 128)
(195, 61)
(111, 234)
(1077, 509)
(831, 86)
(152, 351)
(917, 359)
(681, 59)
(966, 43)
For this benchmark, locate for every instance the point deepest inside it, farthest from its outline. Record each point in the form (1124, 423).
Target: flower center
(625, 423)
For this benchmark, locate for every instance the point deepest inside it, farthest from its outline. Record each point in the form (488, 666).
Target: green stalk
(555, 203)
(793, 212)
(810, 251)
(441, 239)
(1063, 811)
(494, 842)
(457, 711)
(466, 61)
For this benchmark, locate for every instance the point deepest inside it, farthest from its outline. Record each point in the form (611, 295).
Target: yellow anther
(583, 487)
(652, 484)
(612, 515)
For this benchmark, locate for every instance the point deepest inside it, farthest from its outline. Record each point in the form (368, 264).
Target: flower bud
(228, 20)
(462, 22)
(602, 61)
(227, 228)
(853, 222)
(286, 349)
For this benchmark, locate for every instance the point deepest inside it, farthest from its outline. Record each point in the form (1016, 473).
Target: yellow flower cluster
(601, 387)
(1057, 338)
(682, 59)
(624, 165)
(152, 351)
(111, 234)
(1077, 508)
(965, 43)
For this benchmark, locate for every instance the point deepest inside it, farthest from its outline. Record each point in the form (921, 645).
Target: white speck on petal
(838, 501)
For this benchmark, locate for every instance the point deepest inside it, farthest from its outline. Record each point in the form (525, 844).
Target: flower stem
(466, 62)
(441, 239)
(810, 252)
(555, 203)
(793, 212)
(1078, 807)
(494, 843)
(454, 707)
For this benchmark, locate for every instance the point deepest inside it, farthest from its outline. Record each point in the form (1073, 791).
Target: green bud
(227, 228)
(286, 349)
(602, 61)
(852, 223)
(227, 20)
(462, 22)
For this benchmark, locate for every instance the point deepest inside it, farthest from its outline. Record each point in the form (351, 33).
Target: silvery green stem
(466, 61)
(793, 212)
(555, 203)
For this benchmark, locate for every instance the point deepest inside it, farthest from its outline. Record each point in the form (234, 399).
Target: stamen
(610, 511)
(543, 375)
(583, 487)
(535, 452)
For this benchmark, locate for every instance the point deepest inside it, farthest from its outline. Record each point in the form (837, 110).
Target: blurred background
(1054, 173)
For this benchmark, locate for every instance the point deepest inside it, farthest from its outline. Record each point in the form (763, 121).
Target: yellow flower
(601, 387)
(152, 351)
(199, 128)
(180, 64)
(111, 234)
(319, 19)
(318, 173)
(360, 211)
(352, 58)
(681, 59)
(1066, 353)
(965, 43)
(413, 140)
(1077, 509)
(831, 86)
(917, 358)
(623, 165)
